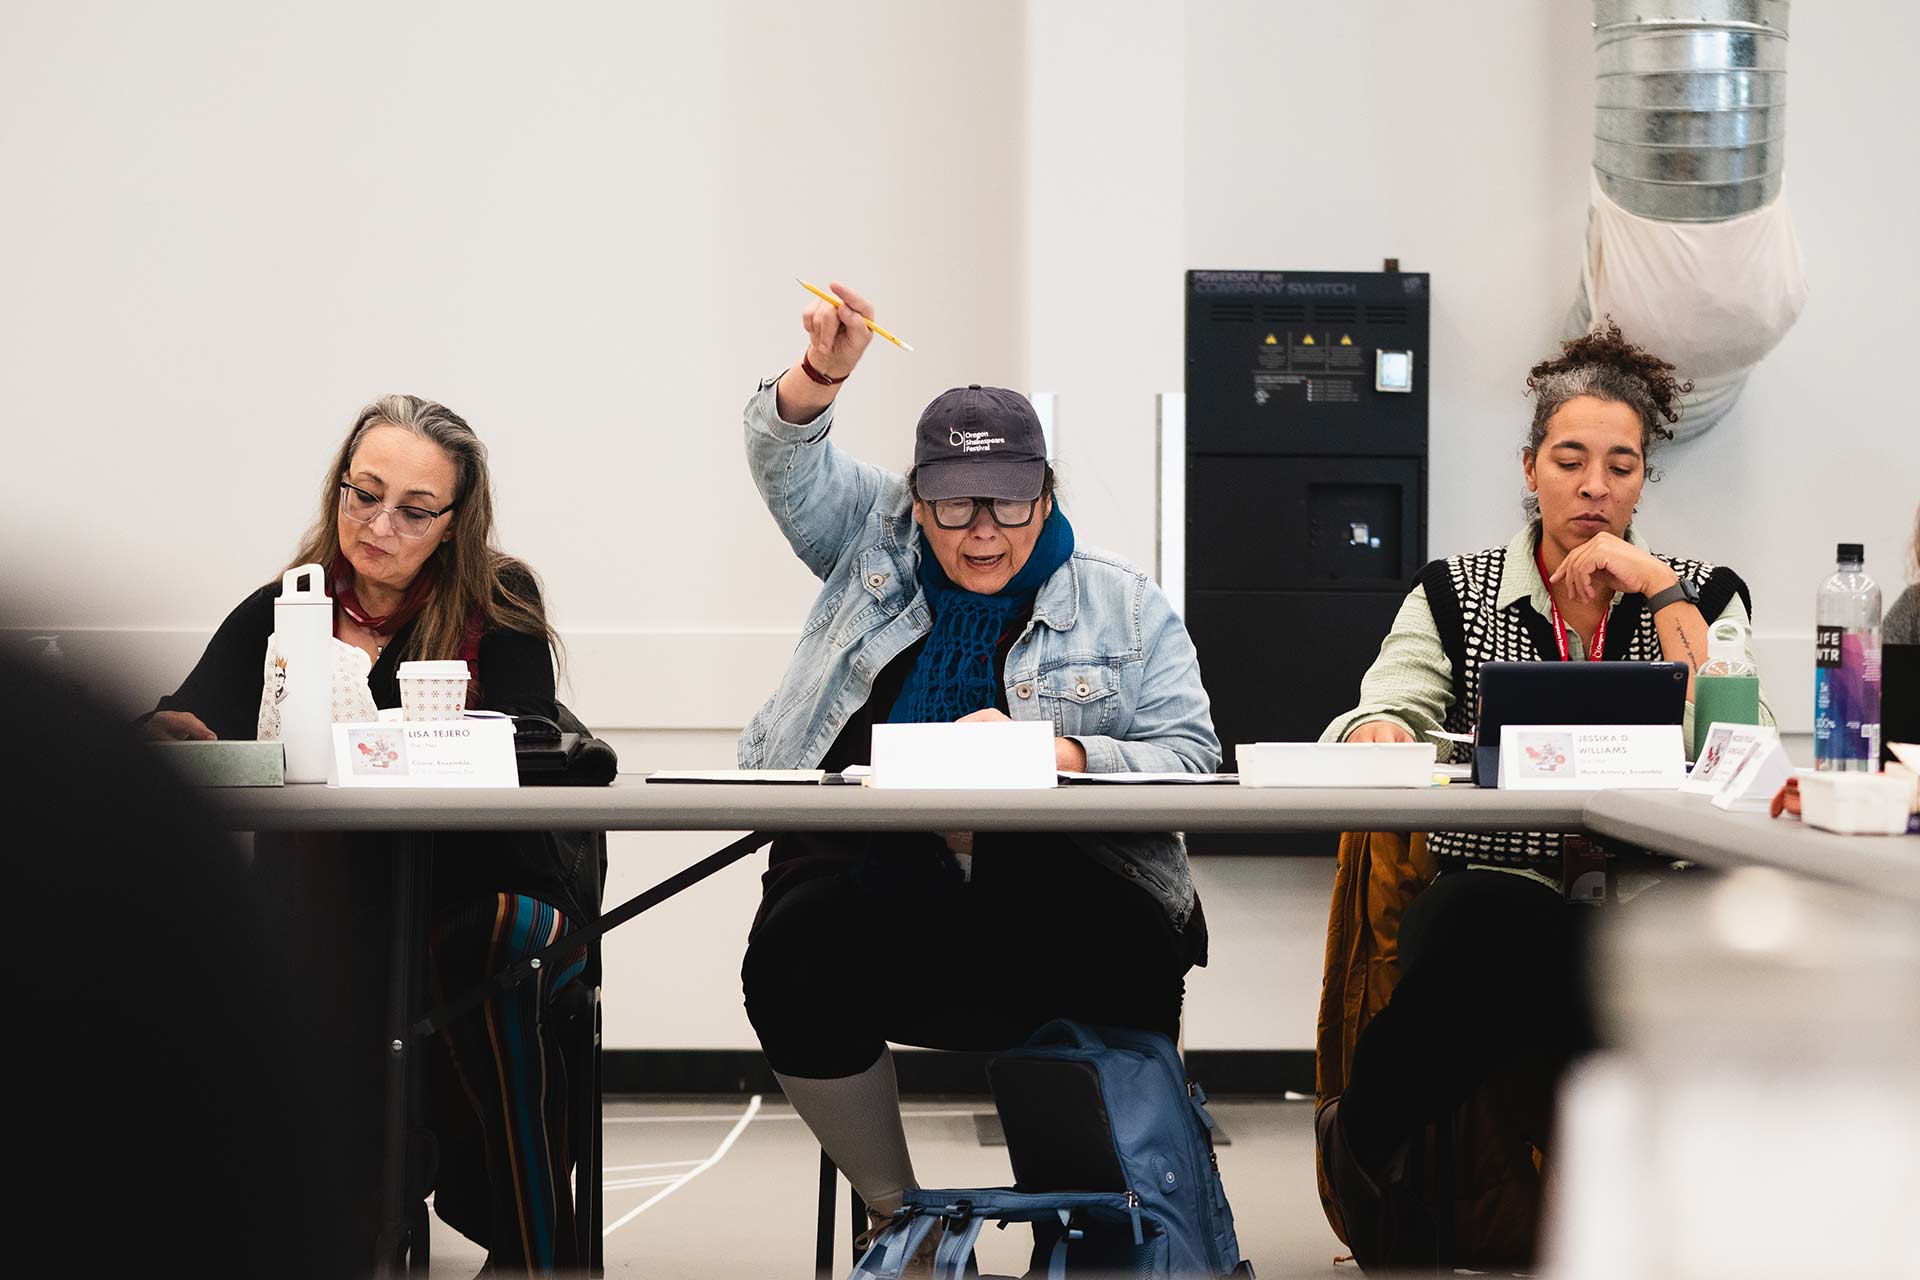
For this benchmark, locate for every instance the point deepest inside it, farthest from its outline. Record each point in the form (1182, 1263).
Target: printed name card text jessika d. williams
(1573, 757)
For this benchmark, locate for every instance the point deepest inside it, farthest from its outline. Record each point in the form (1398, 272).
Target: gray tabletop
(631, 804)
(1690, 827)
(1683, 826)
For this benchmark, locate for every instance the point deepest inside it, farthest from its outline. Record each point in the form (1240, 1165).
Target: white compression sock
(857, 1120)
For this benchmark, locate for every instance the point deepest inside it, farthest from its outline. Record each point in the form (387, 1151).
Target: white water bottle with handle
(303, 634)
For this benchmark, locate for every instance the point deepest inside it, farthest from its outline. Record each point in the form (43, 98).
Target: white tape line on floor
(726, 1145)
(772, 1116)
(658, 1164)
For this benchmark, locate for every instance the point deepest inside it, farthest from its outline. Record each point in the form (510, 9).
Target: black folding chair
(823, 1231)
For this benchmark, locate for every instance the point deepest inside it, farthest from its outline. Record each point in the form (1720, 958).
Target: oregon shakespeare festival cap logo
(979, 442)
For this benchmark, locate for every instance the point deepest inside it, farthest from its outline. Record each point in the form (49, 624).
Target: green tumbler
(1723, 700)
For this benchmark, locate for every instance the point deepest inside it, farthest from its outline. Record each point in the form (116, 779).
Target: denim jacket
(1103, 658)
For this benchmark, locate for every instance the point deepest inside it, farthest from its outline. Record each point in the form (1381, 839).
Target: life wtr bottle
(1846, 678)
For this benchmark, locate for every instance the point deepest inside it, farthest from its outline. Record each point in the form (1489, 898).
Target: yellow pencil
(824, 296)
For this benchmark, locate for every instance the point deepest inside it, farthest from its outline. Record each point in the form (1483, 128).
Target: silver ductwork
(1690, 105)
(1689, 247)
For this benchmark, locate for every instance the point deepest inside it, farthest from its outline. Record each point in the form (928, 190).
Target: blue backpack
(1112, 1154)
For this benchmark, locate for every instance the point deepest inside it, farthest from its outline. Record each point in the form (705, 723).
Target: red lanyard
(1560, 626)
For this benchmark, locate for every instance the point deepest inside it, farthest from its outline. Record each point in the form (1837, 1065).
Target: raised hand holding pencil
(828, 298)
(839, 329)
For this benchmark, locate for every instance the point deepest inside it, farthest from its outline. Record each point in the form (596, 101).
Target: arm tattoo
(1693, 663)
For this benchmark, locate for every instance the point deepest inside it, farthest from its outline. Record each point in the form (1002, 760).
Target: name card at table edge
(1722, 751)
(425, 754)
(1758, 776)
(1586, 757)
(1015, 755)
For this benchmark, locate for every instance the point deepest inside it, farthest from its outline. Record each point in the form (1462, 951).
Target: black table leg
(403, 941)
(595, 1197)
(422, 1157)
(1444, 1174)
(823, 1235)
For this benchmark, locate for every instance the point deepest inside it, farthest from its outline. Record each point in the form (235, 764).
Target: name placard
(1587, 757)
(1722, 751)
(1015, 754)
(1756, 779)
(425, 753)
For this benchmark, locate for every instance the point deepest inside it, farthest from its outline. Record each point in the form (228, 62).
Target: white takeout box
(1856, 804)
(1336, 764)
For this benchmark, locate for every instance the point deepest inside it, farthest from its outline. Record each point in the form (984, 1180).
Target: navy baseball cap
(979, 442)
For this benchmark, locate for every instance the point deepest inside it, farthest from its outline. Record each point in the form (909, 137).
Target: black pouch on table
(561, 752)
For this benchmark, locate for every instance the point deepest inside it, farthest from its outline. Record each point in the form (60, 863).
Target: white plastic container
(434, 690)
(303, 637)
(1336, 764)
(1856, 804)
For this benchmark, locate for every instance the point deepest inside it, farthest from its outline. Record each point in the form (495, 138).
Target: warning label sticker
(1286, 388)
(1333, 391)
(1298, 368)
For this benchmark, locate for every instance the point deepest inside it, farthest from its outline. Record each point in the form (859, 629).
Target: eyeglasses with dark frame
(364, 508)
(959, 513)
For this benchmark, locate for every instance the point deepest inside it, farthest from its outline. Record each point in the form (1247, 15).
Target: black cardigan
(515, 676)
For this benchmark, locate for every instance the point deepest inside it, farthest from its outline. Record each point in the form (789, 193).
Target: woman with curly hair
(1490, 963)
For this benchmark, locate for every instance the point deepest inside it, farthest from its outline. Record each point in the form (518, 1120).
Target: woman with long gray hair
(405, 532)
(1488, 964)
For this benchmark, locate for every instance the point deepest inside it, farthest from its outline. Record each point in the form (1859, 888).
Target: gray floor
(750, 1211)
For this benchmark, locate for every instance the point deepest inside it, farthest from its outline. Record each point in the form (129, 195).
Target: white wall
(580, 230)
(231, 227)
(1106, 216)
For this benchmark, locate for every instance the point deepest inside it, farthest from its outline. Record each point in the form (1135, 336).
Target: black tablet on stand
(1571, 693)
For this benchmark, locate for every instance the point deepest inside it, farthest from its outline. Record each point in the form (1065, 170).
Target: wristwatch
(1684, 589)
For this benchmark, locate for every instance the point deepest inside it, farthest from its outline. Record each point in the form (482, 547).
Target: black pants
(1492, 977)
(897, 948)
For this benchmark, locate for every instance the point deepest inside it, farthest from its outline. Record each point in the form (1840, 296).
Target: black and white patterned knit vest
(1462, 592)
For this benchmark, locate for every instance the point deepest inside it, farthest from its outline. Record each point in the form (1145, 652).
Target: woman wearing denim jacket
(955, 592)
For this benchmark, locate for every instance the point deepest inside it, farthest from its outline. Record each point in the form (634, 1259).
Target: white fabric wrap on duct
(1713, 297)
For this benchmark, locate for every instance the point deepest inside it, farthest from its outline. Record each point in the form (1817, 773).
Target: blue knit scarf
(955, 674)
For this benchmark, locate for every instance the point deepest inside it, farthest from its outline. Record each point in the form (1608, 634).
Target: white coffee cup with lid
(434, 690)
